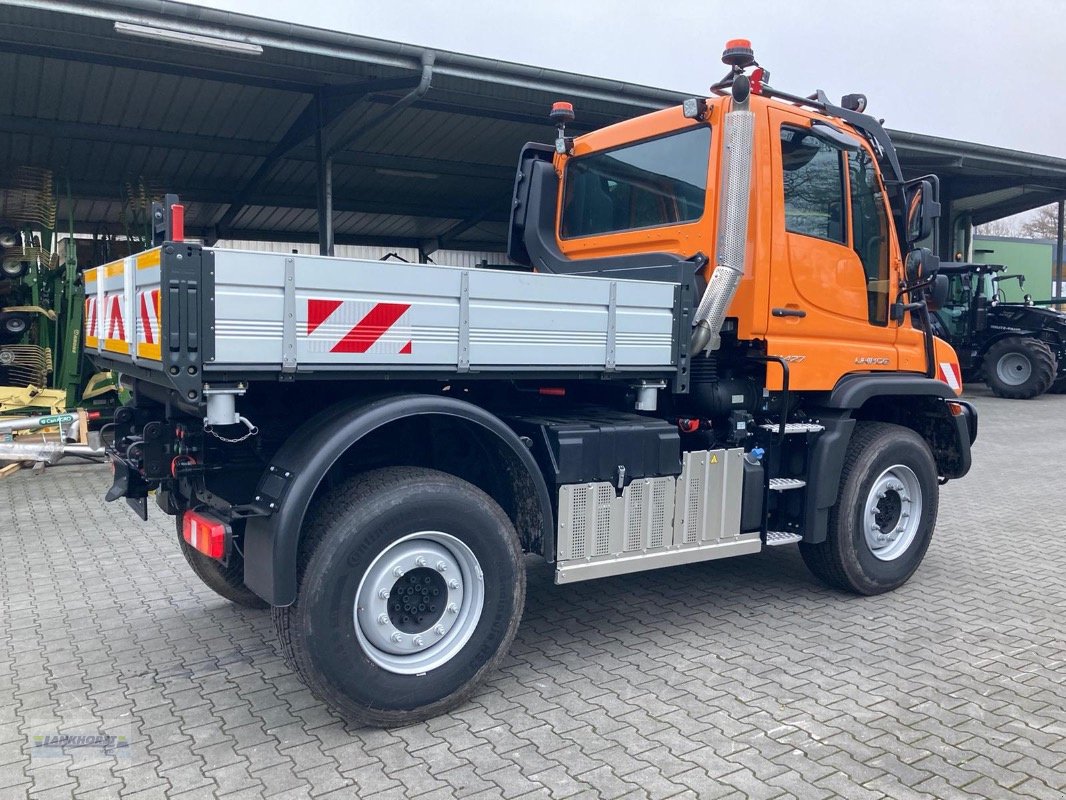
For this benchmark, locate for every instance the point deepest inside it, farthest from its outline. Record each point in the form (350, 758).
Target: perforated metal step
(784, 484)
(775, 538)
(794, 427)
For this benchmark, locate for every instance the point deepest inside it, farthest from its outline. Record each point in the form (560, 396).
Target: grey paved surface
(736, 678)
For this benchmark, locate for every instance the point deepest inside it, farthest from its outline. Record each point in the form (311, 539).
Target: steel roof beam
(1026, 202)
(139, 137)
(275, 80)
(325, 108)
(209, 196)
(112, 134)
(540, 120)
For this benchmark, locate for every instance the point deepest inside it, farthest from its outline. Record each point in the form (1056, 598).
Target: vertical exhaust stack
(733, 214)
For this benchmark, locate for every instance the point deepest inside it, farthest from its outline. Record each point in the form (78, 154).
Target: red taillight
(552, 391)
(177, 222)
(206, 534)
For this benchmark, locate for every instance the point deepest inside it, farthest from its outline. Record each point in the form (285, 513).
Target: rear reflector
(206, 534)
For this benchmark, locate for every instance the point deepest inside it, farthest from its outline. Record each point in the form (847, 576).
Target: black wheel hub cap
(888, 510)
(417, 600)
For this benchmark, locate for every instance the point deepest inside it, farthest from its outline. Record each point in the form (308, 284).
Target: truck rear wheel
(411, 590)
(1019, 368)
(225, 580)
(885, 513)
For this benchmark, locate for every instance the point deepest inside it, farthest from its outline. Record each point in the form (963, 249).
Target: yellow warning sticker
(714, 459)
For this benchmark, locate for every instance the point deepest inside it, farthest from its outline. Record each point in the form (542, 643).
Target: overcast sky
(989, 71)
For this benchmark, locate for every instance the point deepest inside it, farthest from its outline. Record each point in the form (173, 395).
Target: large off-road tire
(885, 512)
(1019, 368)
(411, 586)
(225, 580)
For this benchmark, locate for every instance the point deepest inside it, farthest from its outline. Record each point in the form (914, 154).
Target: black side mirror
(937, 293)
(921, 264)
(923, 209)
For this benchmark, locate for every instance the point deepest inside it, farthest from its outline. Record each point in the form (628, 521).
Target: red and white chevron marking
(148, 303)
(949, 373)
(92, 328)
(354, 326)
(114, 324)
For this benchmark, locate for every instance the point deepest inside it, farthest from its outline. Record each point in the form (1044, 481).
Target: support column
(325, 181)
(1058, 255)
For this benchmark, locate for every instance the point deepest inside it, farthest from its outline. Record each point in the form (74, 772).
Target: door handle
(788, 312)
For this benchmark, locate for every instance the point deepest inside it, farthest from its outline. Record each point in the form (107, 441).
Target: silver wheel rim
(12, 269)
(893, 512)
(15, 325)
(1013, 369)
(427, 569)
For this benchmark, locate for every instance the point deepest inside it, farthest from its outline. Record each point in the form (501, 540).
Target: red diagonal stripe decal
(116, 320)
(317, 311)
(90, 308)
(146, 322)
(370, 328)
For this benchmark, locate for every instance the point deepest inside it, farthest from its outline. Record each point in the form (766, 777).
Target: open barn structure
(275, 132)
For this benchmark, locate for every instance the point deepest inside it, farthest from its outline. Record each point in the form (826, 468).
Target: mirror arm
(901, 309)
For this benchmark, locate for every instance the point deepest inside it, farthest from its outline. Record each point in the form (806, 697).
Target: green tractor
(1017, 349)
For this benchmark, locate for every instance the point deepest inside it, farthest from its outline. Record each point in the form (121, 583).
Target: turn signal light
(205, 533)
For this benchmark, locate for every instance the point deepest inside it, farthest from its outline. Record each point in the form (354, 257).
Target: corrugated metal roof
(102, 109)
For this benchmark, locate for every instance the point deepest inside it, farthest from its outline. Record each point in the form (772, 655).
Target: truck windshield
(656, 182)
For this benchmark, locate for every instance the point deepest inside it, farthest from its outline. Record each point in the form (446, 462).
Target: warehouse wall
(458, 258)
(1032, 258)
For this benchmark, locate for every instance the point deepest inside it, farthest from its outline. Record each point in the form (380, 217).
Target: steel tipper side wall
(122, 308)
(311, 313)
(849, 395)
(271, 543)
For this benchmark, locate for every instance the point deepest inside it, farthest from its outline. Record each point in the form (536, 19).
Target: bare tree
(1000, 227)
(1044, 224)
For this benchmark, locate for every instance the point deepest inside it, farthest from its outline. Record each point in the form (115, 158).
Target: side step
(794, 427)
(784, 484)
(775, 538)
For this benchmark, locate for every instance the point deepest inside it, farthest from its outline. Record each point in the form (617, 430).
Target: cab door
(831, 256)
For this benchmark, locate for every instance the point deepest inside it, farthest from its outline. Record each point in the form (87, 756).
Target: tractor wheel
(885, 513)
(1019, 368)
(225, 580)
(411, 586)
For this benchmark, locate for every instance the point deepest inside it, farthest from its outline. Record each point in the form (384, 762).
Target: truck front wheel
(1019, 368)
(885, 513)
(411, 589)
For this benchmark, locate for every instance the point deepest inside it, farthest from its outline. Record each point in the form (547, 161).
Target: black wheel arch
(911, 400)
(303, 465)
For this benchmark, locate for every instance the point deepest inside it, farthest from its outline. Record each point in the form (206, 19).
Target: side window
(814, 186)
(870, 232)
(657, 182)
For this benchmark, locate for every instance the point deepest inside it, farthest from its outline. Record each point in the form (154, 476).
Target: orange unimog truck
(720, 343)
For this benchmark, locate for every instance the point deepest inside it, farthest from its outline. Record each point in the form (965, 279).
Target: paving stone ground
(738, 678)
